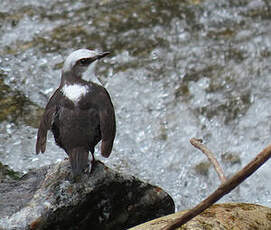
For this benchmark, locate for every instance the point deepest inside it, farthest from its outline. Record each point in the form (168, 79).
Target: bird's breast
(75, 92)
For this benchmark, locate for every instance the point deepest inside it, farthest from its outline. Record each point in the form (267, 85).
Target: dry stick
(198, 144)
(223, 189)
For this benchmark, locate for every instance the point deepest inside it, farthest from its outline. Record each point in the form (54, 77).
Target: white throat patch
(74, 92)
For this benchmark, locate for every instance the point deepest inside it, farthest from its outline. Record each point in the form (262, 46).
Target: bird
(80, 113)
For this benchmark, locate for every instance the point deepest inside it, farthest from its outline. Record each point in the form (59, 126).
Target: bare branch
(198, 144)
(223, 189)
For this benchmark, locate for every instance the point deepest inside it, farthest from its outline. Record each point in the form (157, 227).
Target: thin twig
(223, 189)
(198, 144)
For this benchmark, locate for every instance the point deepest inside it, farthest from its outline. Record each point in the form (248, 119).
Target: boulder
(51, 198)
(227, 216)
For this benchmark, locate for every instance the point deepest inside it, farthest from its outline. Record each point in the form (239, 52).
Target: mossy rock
(7, 173)
(227, 216)
(14, 106)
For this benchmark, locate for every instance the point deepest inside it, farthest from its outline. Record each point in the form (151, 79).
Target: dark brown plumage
(80, 113)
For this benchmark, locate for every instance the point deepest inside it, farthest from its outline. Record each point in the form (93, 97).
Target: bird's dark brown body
(80, 114)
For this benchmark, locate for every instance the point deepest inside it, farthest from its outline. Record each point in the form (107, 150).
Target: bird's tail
(79, 160)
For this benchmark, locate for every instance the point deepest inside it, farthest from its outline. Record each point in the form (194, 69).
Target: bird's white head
(78, 61)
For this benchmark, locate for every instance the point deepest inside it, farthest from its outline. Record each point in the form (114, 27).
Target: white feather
(77, 55)
(74, 92)
(89, 75)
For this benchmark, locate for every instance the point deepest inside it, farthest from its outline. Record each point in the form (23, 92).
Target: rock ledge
(50, 198)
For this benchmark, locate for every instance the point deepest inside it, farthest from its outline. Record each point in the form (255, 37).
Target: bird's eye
(84, 61)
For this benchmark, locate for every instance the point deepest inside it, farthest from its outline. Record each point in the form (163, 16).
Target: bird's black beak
(101, 55)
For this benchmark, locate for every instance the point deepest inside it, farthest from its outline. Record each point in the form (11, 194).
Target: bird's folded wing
(46, 122)
(107, 124)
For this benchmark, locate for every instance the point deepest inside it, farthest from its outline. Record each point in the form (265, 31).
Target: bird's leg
(92, 163)
(67, 157)
(93, 159)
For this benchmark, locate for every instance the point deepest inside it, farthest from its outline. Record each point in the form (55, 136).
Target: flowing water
(178, 69)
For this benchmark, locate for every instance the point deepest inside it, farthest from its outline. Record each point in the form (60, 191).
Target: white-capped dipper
(80, 113)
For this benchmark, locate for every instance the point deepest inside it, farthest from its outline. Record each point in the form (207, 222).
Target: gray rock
(50, 198)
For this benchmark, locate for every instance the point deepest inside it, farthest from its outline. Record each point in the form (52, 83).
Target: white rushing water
(221, 58)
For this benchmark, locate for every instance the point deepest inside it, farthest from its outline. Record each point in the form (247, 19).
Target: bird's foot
(91, 166)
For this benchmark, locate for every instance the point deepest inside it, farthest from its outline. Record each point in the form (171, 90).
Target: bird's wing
(46, 122)
(107, 123)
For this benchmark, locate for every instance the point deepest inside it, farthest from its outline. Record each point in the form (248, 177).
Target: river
(178, 69)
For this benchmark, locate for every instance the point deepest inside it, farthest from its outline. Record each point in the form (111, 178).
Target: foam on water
(207, 77)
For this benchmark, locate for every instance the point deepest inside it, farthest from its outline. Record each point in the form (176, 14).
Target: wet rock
(219, 217)
(50, 198)
(6, 173)
(203, 168)
(15, 192)
(231, 158)
(15, 107)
